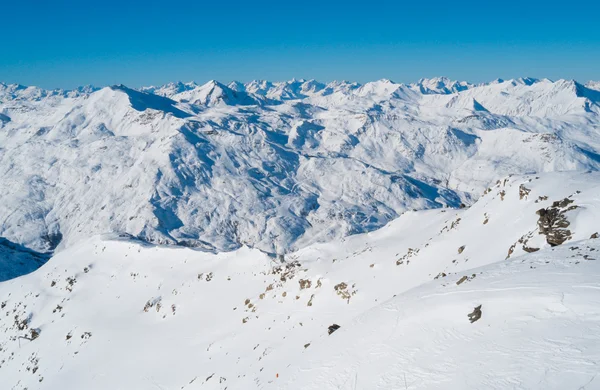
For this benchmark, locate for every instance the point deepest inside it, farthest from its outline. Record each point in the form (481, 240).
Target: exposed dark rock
(461, 249)
(595, 235)
(475, 314)
(465, 279)
(332, 328)
(553, 222)
(530, 249)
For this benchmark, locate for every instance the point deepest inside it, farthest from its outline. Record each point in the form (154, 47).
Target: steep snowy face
(276, 166)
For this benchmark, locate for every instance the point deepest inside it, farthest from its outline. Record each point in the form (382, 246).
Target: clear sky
(61, 43)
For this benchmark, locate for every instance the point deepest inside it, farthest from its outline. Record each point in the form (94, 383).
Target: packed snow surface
(273, 166)
(114, 312)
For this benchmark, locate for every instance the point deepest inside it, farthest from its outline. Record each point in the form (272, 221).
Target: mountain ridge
(276, 166)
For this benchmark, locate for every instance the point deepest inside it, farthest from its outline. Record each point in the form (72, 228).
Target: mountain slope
(276, 166)
(179, 318)
(538, 317)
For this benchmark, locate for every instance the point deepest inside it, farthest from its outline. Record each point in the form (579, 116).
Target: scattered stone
(475, 315)
(465, 279)
(306, 345)
(342, 290)
(332, 328)
(70, 282)
(35, 333)
(287, 271)
(152, 303)
(529, 249)
(410, 253)
(523, 192)
(511, 250)
(461, 249)
(304, 283)
(595, 235)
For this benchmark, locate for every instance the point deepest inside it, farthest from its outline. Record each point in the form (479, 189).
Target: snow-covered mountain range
(300, 235)
(275, 166)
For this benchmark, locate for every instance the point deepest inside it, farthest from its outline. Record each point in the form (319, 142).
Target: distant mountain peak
(440, 85)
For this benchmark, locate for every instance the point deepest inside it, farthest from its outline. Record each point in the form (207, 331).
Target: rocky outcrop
(553, 222)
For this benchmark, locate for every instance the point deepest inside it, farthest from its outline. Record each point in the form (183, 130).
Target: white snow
(114, 312)
(273, 165)
(194, 236)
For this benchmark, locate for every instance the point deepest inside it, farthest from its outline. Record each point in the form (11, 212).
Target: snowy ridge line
(282, 89)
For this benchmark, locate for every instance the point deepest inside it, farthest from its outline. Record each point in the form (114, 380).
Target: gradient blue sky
(64, 44)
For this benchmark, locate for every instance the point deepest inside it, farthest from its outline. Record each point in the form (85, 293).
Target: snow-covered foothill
(116, 312)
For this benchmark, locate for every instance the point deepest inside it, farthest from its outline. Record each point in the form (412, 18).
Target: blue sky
(64, 44)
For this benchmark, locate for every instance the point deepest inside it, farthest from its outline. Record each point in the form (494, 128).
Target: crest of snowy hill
(498, 295)
(275, 166)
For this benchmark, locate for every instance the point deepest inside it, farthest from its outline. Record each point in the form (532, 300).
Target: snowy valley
(299, 235)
